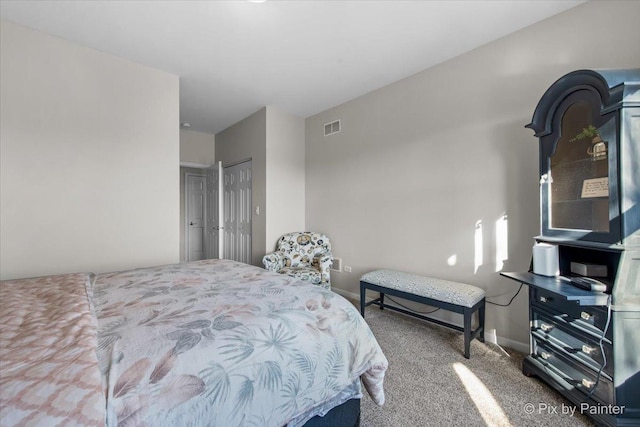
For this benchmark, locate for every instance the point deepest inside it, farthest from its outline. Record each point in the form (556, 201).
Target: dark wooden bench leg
(363, 293)
(381, 301)
(481, 321)
(467, 331)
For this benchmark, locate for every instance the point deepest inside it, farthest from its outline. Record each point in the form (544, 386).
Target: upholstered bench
(451, 296)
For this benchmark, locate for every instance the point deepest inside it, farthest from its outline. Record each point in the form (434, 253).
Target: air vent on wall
(331, 128)
(337, 264)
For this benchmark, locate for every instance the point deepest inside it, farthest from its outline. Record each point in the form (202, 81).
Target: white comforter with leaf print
(222, 343)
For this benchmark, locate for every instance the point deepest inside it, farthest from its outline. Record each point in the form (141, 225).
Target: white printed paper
(596, 187)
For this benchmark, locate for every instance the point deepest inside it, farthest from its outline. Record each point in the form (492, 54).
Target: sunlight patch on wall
(502, 241)
(488, 407)
(452, 260)
(477, 244)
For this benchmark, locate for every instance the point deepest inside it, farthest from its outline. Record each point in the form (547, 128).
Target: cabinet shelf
(578, 162)
(582, 201)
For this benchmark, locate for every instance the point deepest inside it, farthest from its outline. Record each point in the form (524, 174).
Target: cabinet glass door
(579, 199)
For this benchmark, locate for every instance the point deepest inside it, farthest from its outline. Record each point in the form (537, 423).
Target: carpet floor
(430, 383)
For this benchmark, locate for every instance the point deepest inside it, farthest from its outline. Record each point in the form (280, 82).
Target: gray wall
(274, 141)
(197, 148)
(89, 153)
(285, 175)
(242, 141)
(421, 162)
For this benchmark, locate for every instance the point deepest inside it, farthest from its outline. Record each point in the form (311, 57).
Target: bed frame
(345, 415)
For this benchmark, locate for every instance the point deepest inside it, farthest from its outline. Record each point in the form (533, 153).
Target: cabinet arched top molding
(615, 88)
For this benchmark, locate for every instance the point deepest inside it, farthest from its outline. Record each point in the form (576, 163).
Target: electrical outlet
(347, 269)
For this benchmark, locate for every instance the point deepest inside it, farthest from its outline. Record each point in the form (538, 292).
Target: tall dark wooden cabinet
(583, 343)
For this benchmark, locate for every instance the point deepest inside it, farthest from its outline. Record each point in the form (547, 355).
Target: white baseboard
(488, 336)
(348, 295)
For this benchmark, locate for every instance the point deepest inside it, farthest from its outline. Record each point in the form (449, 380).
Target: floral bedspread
(49, 372)
(222, 343)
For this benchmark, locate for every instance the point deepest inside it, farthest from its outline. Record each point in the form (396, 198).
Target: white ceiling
(234, 57)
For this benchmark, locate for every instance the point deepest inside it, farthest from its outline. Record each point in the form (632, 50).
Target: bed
(212, 342)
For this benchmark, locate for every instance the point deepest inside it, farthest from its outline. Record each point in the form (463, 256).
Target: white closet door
(244, 213)
(237, 212)
(230, 213)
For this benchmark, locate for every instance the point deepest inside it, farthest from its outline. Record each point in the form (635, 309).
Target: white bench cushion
(429, 287)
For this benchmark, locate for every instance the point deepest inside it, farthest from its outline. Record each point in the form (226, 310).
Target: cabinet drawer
(592, 319)
(580, 377)
(581, 347)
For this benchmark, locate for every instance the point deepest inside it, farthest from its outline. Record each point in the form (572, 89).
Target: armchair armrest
(274, 261)
(324, 261)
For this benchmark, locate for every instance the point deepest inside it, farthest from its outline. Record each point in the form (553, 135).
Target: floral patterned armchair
(303, 255)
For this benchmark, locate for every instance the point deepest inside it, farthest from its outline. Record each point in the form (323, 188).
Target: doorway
(195, 196)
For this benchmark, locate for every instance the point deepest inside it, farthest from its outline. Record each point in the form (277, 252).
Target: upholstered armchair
(303, 255)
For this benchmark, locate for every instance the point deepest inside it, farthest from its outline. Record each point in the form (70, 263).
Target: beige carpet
(430, 383)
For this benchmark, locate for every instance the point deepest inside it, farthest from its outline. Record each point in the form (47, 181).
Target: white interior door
(245, 208)
(195, 217)
(230, 222)
(237, 210)
(213, 241)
